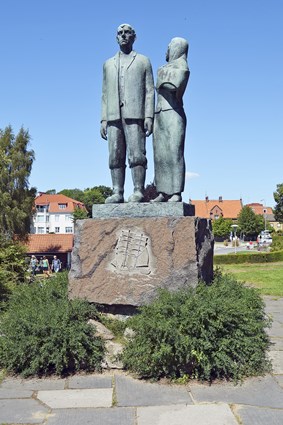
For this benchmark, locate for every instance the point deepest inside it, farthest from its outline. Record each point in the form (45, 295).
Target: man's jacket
(138, 102)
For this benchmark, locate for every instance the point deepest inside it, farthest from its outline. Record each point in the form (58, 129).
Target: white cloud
(191, 175)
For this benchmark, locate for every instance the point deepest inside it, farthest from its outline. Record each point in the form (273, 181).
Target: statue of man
(127, 114)
(170, 123)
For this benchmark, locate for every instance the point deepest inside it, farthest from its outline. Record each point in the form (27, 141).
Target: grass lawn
(267, 277)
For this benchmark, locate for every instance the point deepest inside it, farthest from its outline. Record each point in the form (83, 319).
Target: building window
(40, 218)
(56, 217)
(68, 217)
(40, 230)
(47, 229)
(68, 229)
(41, 208)
(57, 229)
(62, 206)
(216, 217)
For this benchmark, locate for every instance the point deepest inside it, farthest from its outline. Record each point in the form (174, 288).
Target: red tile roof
(53, 202)
(49, 243)
(227, 208)
(259, 208)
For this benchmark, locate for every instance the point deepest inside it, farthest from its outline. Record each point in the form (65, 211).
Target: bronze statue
(127, 114)
(170, 123)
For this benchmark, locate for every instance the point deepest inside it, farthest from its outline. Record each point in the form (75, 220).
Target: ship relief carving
(132, 253)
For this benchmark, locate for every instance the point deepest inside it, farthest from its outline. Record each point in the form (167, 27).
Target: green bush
(42, 332)
(13, 267)
(215, 331)
(277, 242)
(261, 257)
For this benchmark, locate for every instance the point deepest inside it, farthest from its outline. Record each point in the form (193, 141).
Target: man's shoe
(137, 196)
(117, 198)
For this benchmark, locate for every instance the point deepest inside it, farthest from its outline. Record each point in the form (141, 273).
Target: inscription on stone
(132, 253)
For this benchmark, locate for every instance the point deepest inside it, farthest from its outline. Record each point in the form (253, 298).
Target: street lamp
(234, 227)
(264, 213)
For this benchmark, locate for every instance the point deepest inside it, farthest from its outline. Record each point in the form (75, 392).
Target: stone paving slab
(277, 361)
(265, 392)
(205, 414)
(276, 331)
(250, 415)
(111, 416)
(130, 392)
(22, 412)
(34, 384)
(90, 382)
(10, 393)
(279, 379)
(273, 303)
(276, 344)
(64, 399)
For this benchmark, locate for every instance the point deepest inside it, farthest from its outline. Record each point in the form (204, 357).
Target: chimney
(206, 199)
(220, 199)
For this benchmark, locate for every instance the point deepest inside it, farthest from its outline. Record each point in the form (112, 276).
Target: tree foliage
(13, 267)
(88, 196)
(79, 214)
(222, 227)
(16, 198)
(278, 198)
(250, 223)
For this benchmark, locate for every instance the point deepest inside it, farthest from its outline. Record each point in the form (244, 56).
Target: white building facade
(54, 214)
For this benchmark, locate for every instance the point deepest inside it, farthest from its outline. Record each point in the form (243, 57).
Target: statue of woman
(170, 123)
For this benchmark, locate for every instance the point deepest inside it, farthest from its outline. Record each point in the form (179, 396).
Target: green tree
(13, 267)
(76, 194)
(278, 198)
(16, 198)
(89, 196)
(79, 214)
(222, 227)
(250, 223)
(92, 196)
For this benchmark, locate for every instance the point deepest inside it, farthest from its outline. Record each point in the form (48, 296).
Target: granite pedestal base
(122, 262)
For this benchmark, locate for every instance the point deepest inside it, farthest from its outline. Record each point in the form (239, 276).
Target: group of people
(129, 116)
(43, 266)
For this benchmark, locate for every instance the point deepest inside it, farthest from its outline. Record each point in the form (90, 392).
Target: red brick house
(215, 208)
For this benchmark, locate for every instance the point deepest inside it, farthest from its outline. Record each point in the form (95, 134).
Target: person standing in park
(56, 264)
(45, 266)
(33, 265)
(127, 114)
(170, 123)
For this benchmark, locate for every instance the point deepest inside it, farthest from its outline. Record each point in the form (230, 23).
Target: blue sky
(52, 53)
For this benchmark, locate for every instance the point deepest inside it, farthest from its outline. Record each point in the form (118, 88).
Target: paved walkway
(115, 398)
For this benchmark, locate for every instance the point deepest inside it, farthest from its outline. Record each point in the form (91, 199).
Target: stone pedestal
(121, 262)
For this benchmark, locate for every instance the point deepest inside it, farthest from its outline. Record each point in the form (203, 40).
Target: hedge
(262, 257)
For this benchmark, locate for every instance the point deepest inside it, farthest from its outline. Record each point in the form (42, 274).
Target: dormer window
(42, 208)
(62, 206)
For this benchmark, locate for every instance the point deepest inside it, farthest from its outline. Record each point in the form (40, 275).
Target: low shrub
(277, 242)
(215, 331)
(261, 257)
(42, 332)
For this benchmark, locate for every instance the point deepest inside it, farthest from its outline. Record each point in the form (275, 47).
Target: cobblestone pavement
(115, 398)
